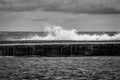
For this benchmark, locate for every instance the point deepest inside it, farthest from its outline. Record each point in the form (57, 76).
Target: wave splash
(59, 33)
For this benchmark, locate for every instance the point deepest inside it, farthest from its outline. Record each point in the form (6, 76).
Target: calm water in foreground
(59, 68)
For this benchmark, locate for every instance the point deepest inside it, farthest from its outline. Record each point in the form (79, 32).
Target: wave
(59, 33)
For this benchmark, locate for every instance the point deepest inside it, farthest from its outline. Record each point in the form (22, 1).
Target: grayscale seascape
(59, 39)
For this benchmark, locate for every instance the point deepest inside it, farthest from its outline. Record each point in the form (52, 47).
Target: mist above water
(59, 33)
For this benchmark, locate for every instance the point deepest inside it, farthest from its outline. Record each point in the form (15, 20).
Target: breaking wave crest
(59, 33)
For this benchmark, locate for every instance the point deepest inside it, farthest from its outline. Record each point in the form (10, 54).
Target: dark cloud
(5, 6)
(77, 10)
(79, 6)
(66, 6)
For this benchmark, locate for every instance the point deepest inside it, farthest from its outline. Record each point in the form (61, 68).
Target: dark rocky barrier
(60, 48)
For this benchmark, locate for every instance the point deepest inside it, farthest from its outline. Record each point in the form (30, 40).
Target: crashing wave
(59, 33)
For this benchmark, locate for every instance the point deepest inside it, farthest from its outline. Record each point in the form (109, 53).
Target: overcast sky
(83, 15)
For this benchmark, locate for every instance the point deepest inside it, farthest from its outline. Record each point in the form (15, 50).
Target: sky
(82, 15)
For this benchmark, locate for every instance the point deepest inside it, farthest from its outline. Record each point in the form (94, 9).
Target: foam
(59, 33)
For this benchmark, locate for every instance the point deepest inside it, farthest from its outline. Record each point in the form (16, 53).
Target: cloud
(86, 6)
(4, 6)
(35, 20)
(41, 19)
(65, 6)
